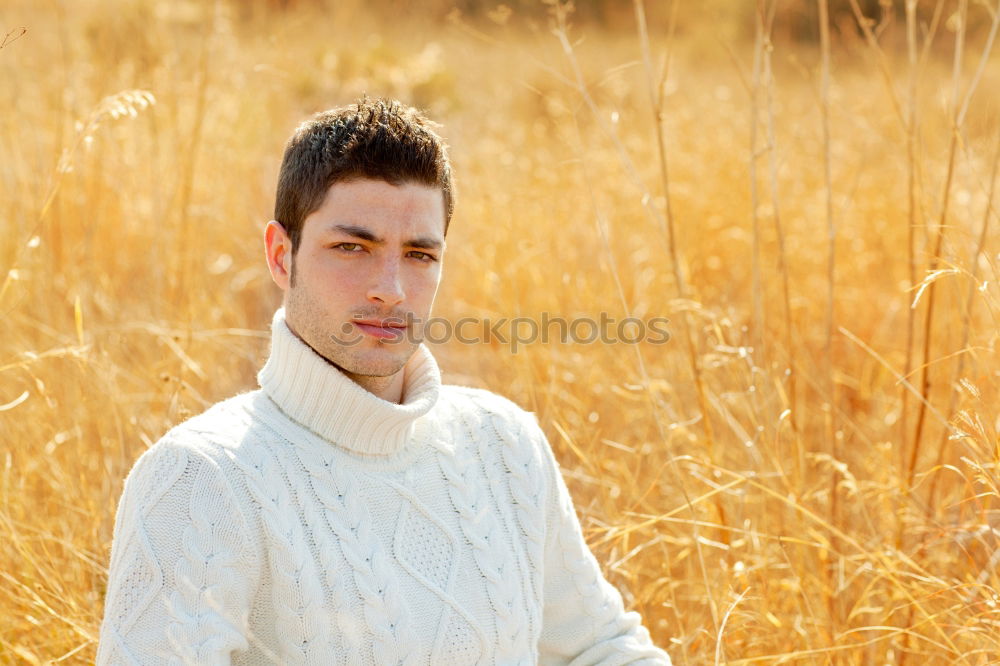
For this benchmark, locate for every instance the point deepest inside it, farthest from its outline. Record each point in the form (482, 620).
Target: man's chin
(378, 362)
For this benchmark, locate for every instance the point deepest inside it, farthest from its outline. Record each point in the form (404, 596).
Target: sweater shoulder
(222, 426)
(482, 405)
(197, 451)
(208, 438)
(484, 401)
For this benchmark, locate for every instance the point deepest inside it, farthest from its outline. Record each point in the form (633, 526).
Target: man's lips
(382, 330)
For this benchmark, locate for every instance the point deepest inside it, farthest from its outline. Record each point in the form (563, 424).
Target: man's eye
(349, 247)
(422, 256)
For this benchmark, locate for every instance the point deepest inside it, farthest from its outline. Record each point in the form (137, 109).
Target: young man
(353, 509)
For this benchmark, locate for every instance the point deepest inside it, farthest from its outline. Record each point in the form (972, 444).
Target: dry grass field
(807, 472)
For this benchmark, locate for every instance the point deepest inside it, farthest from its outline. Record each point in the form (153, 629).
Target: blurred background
(806, 473)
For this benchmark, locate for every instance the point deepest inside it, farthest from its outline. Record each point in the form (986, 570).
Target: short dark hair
(381, 139)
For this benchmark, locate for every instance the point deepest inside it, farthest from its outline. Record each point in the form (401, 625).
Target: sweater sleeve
(583, 617)
(182, 569)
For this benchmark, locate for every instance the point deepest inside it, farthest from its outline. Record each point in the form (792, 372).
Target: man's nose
(387, 288)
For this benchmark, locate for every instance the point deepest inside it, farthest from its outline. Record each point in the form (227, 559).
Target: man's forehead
(358, 184)
(381, 208)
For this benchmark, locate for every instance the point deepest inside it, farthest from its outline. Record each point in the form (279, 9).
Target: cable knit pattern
(525, 485)
(204, 573)
(584, 574)
(311, 522)
(480, 527)
(347, 517)
(296, 602)
(346, 631)
(136, 559)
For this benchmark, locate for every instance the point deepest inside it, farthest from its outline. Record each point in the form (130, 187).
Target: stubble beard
(365, 358)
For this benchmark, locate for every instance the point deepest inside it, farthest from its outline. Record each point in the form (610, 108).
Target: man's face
(372, 252)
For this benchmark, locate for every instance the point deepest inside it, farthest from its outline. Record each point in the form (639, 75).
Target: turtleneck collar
(314, 392)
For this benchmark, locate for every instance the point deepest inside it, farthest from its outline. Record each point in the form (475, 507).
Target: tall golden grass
(806, 473)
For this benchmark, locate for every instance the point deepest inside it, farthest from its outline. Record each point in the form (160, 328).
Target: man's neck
(388, 388)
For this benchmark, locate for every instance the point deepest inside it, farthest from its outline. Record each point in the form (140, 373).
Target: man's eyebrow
(357, 232)
(425, 243)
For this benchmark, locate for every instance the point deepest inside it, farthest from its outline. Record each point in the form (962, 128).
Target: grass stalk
(657, 105)
(938, 245)
(772, 153)
(974, 258)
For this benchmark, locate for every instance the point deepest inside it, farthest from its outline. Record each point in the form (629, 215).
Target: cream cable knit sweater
(311, 522)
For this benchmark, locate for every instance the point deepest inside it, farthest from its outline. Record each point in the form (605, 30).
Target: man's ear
(278, 252)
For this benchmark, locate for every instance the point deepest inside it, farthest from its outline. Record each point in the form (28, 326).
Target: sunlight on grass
(806, 473)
